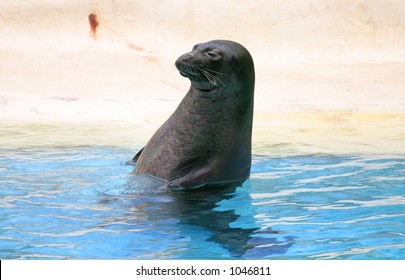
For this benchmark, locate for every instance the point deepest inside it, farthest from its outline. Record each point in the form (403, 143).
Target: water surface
(72, 201)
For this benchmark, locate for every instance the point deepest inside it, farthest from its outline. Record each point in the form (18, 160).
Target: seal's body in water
(207, 140)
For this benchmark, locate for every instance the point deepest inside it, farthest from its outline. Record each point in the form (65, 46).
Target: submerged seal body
(207, 140)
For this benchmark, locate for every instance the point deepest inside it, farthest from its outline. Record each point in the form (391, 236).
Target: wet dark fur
(207, 140)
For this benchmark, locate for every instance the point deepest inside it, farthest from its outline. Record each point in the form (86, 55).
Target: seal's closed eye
(214, 54)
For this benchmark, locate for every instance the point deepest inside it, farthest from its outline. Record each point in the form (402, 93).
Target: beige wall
(286, 31)
(330, 75)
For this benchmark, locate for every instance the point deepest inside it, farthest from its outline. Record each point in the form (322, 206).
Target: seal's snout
(185, 58)
(184, 63)
(178, 63)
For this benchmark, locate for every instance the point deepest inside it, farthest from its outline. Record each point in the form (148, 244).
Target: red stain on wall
(93, 21)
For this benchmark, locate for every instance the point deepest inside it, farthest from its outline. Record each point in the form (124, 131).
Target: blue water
(71, 202)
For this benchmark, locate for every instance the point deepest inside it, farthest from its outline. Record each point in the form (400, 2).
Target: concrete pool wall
(330, 75)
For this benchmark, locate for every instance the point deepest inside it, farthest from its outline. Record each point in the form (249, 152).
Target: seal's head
(215, 64)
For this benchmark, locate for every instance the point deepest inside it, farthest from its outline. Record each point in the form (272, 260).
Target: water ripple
(290, 192)
(356, 251)
(78, 203)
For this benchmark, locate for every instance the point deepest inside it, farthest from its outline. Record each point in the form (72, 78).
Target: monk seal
(207, 140)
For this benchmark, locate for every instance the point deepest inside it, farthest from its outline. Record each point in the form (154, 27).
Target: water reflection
(197, 208)
(199, 218)
(215, 212)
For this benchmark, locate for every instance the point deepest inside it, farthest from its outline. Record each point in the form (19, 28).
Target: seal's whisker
(192, 70)
(203, 74)
(212, 78)
(197, 73)
(210, 70)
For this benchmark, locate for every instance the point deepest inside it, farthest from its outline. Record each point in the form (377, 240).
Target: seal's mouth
(199, 82)
(187, 70)
(185, 74)
(202, 78)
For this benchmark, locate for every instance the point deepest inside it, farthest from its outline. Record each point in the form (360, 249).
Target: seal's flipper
(138, 154)
(197, 178)
(135, 158)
